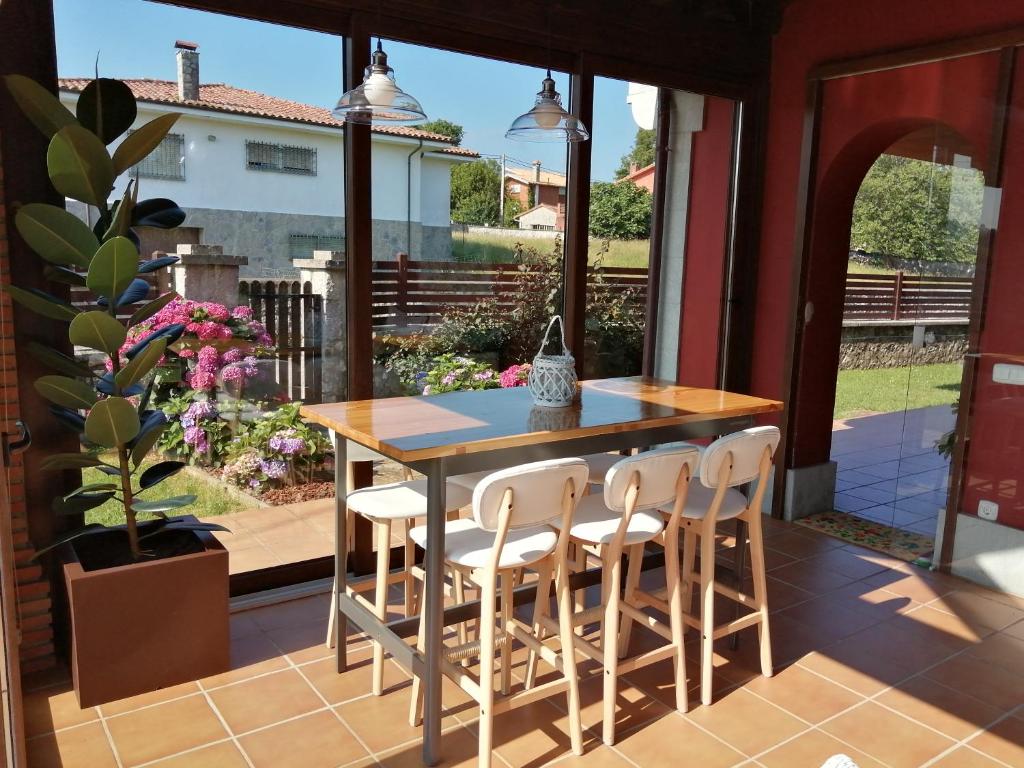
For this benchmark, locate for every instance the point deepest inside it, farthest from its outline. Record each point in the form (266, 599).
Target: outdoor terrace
(875, 658)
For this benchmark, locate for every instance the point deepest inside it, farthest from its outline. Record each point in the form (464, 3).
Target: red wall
(704, 265)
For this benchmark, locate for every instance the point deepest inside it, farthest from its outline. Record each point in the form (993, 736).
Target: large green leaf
(107, 108)
(56, 235)
(113, 267)
(97, 330)
(146, 442)
(159, 472)
(77, 505)
(143, 141)
(64, 275)
(69, 461)
(85, 530)
(69, 366)
(40, 106)
(91, 488)
(163, 505)
(112, 422)
(141, 364)
(41, 303)
(121, 216)
(62, 390)
(149, 309)
(79, 165)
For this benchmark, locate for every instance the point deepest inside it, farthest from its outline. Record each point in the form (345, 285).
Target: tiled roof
(526, 176)
(639, 173)
(219, 97)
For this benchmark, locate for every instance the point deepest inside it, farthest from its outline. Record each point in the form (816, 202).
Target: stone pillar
(206, 273)
(325, 273)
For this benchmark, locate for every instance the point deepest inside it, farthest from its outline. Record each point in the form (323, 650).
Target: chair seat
(470, 480)
(600, 463)
(401, 501)
(594, 523)
(699, 498)
(468, 545)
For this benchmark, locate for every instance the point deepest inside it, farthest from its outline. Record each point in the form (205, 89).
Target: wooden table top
(418, 428)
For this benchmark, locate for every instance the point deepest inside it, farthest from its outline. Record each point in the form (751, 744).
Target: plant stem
(129, 513)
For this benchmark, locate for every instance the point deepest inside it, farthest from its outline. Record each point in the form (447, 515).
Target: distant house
(535, 186)
(263, 176)
(543, 216)
(642, 177)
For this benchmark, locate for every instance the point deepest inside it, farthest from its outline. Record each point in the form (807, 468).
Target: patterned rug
(905, 545)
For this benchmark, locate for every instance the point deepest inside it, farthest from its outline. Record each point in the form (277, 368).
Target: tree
(512, 209)
(641, 155)
(476, 188)
(619, 211)
(914, 209)
(453, 131)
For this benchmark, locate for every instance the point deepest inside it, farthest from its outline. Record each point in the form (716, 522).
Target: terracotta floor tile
(815, 578)
(978, 610)
(965, 757)
(250, 655)
(594, 757)
(1003, 741)
(459, 749)
(222, 755)
(954, 713)
(51, 709)
(847, 563)
(356, 681)
(661, 743)
(85, 747)
(265, 700)
(142, 700)
(960, 631)
(887, 736)
(804, 694)
(1016, 630)
(1002, 650)
(534, 734)
(319, 740)
(813, 748)
(831, 620)
(799, 545)
(782, 595)
(731, 716)
(1001, 688)
(915, 585)
(864, 673)
(303, 642)
(165, 729)
(635, 704)
(291, 613)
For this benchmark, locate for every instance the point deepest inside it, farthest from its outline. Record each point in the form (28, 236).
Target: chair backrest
(537, 490)
(658, 470)
(747, 447)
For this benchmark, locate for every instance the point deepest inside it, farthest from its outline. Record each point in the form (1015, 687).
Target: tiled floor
(889, 470)
(875, 658)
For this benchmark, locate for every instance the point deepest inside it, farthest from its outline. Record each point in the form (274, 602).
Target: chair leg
(486, 725)
(331, 619)
(689, 561)
(381, 603)
(636, 557)
(565, 633)
(707, 612)
(675, 603)
(760, 590)
(416, 699)
(508, 581)
(579, 564)
(459, 583)
(409, 581)
(612, 562)
(540, 610)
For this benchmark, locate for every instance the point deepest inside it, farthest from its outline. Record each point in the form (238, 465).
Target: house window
(515, 189)
(167, 161)
(280, 158)
(561, 191)
(302, 246)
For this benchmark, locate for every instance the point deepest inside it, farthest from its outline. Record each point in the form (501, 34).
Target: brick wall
(34, 603)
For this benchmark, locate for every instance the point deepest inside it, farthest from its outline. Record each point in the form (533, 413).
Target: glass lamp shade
(378, 99)
(548, 120)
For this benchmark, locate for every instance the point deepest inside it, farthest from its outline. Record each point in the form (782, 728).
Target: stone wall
(897, 345)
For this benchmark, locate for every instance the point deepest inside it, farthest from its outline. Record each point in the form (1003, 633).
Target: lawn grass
(212, 499)
(482, 248)
(884, 390)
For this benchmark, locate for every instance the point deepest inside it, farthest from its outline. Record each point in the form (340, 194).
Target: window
(515, 189)
(280, 158)
(167, 161)
(561, 191)
(302, 246)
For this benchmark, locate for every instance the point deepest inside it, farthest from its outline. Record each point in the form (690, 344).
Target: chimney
(188, 70)
(536, 171)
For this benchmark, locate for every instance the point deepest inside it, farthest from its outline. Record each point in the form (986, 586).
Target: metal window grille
(302, 246)
(280, 158)
(167, 161)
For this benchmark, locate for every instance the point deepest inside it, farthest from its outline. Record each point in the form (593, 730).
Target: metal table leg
(340, 545)
(433, 612)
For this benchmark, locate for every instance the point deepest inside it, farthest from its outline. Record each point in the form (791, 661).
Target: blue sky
(136, 38)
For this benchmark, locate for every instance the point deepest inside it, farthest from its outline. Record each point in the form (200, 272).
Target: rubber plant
(108, 407)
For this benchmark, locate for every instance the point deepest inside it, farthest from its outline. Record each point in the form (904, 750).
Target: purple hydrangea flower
(273, 468)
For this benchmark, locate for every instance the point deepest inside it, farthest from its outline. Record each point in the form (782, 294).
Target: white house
(263, 176)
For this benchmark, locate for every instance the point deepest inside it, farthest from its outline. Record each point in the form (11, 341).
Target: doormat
(906, 545)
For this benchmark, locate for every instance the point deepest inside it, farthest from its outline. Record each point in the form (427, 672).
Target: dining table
(489, 429)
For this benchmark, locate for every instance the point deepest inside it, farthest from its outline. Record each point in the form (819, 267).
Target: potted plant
(148, 600)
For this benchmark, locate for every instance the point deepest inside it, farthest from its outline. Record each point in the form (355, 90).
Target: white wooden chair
(510, 531)
(730, 461)
(384, 505)
(624, 519)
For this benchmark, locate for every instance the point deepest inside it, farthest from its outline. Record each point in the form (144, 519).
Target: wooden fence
(294, 317)
(411, 294)
(907, 297)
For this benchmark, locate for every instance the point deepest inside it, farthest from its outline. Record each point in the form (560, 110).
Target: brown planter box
(145, 626)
